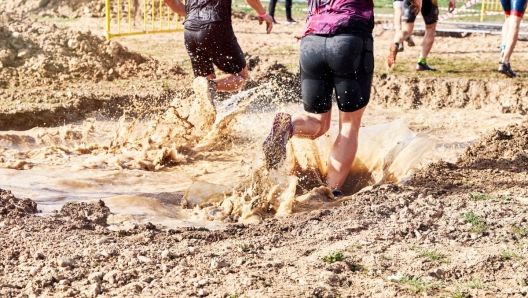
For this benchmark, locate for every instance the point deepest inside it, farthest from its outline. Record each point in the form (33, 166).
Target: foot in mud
(274, 146)
(391, 58)
(204, 88)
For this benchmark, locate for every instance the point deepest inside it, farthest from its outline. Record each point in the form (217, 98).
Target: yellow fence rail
(156, 17)
(490, 6)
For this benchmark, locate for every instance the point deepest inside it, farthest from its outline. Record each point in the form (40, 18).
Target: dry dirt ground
(454, 230)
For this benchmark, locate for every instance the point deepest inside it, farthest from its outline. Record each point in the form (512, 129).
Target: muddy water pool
(91, 161)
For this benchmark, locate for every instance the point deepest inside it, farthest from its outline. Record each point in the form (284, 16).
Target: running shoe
(274, 146)
(204, 88)
(290, 22)
(410, 41)
(505, 68)
(336, 192)
(391, 58)
(424, 66)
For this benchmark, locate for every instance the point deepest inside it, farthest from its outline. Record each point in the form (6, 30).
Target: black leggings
(344, 63)
(288, 6)
(214, 44)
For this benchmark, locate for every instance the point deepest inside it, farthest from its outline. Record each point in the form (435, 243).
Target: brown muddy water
(181, 168)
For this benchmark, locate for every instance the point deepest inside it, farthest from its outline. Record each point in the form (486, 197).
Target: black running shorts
(429, 12)
(214, 44)
(344, 63)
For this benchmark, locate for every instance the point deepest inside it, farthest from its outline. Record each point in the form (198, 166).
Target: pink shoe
(274, 146)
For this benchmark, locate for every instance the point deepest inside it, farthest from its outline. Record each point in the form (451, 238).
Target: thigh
(518, 7)
(430, 11)
(316, 80)
(225, 51)
(407, 15)
(201, 62)
(351, 60)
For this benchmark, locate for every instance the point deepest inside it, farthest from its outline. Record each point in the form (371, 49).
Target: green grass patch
(506, 256)
(476, 284)
(520, 230)
(478, 224)
(434, 256)
(416, 285)
(333, 257)
(480, 197)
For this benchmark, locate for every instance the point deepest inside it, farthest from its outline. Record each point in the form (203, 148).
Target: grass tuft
(478, 224)
(333, 257)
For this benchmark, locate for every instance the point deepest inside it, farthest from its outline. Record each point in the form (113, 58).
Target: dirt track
(454, 230)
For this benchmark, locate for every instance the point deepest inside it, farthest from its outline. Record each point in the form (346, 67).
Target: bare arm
(261, 11)
(177, 6)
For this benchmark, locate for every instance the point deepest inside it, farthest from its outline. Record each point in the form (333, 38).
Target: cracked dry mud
(455, 229)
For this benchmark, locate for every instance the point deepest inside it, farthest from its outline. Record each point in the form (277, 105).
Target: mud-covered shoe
(274, 146)
(424, 66)
(410, 41)
(506, 69)
(391, 58)
(336, 193)
(204, 88)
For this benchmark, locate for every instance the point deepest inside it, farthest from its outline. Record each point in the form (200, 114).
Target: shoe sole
(274, 147)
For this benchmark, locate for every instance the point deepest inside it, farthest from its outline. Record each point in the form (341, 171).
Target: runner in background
(336, 56)
(429, 10)
(287, 6)
(398, 9)
(209, 39)
(514, 12)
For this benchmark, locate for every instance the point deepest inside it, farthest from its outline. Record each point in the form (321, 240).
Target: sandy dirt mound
(10, 206)
(36, 54)
(504, 95)
(86, 215)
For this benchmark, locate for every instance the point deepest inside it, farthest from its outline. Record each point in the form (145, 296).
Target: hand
(269, 22)
(452, 5)
(415, 7)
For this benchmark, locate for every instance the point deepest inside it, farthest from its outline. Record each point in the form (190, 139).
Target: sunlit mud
(186, 166)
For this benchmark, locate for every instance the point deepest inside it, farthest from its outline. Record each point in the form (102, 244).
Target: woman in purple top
(336, 55)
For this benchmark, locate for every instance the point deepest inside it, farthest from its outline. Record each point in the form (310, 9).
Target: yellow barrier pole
(161, 15)
(482, 10)
(153, 7)
(107, 19)
(168, 16)
(129, 18)
(118, 17)
(144, 15)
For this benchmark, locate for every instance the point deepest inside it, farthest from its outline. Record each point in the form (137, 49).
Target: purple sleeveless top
(333, 16)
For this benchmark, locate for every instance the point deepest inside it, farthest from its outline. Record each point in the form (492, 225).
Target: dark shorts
(344, 63)
(514, 7)
(429, 12)
(214, 44)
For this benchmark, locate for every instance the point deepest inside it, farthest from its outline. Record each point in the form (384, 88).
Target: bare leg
(231, 81)
(505, 27)
(397, 23)
(406, 31)
(345, 147)
(428, 41)
(311, 125)
(511, 37)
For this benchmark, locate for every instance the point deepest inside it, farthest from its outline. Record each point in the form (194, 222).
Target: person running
(429, 10)
(514, 12)
(287, 6)
(398, 9)
(209, 39)
(336, 55)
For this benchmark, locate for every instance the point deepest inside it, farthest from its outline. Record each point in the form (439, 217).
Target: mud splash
(174, 151)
